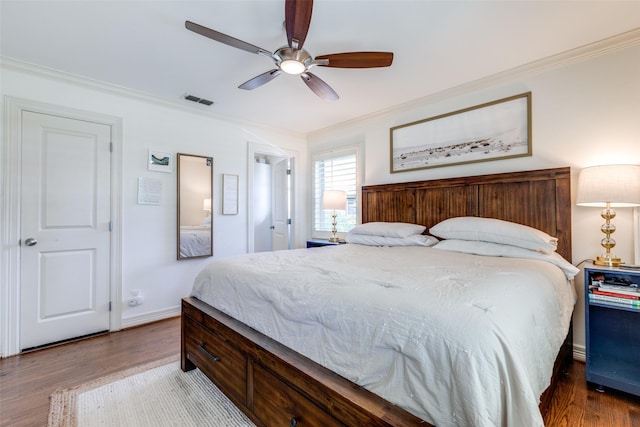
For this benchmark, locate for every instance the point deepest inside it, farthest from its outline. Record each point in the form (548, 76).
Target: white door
(262, 200)
(280, 206)
(65, 221)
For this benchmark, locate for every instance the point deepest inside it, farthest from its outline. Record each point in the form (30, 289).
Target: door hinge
(111, 147)
(110, 226)
(109, 305)
(289, 221)
(288, 171)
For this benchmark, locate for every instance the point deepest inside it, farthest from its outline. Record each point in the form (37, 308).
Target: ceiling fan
(293, 59)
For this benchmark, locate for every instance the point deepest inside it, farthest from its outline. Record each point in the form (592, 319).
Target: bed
(330, 380)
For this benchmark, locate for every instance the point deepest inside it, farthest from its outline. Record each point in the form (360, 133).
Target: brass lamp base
(610, 261)
(608, 228)
(333, 237)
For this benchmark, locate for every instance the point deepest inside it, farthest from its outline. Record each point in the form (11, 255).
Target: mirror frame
(181, 198)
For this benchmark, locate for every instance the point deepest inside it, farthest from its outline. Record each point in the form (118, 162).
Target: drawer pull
(206, 353)
(293, 422)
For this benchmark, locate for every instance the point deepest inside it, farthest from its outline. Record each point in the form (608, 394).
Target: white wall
(585, 112)
(149, 232)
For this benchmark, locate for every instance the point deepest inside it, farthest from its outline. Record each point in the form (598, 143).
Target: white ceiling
(143, 45)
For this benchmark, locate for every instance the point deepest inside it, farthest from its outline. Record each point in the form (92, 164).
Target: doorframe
(267, 150)
(12, 190)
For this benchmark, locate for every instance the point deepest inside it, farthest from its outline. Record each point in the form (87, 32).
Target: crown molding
(180, 104)
(583, 53)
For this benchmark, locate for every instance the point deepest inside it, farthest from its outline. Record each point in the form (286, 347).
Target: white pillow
(370, 240)
(388, 229)
(496, 231)
(495, 249)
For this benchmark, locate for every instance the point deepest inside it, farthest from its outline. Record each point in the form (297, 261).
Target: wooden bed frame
(274, 385)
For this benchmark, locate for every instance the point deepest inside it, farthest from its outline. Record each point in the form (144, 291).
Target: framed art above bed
(495, 130)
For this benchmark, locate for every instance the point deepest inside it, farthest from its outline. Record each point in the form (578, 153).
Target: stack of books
(627, 295)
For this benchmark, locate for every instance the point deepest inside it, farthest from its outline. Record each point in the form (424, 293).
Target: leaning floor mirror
(195, 195)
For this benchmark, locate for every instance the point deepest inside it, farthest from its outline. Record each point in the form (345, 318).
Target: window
(335, 170)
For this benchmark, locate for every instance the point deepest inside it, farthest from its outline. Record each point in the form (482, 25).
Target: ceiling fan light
(291, 66)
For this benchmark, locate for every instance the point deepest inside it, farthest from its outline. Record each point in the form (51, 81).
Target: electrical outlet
(136, 300)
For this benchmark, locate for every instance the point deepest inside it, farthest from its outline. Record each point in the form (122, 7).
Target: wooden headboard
(539, 199)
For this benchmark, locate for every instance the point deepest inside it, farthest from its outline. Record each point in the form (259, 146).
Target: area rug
(156, 394)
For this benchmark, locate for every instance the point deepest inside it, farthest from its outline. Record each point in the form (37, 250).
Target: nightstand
(612, 327)
(316, 243)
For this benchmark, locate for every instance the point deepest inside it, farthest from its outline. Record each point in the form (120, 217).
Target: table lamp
(206, 205)
(334, 200)
(608, 187)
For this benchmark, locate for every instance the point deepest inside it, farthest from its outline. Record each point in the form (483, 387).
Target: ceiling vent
(198, 100)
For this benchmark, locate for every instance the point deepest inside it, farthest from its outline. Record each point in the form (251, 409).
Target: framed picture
(229, 194)
(496, 130)
(159, 161)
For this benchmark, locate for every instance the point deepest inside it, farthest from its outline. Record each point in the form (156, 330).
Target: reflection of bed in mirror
(195, 240)
(195, 234)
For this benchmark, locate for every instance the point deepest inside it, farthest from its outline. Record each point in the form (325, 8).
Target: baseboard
(149, 317)
(579, 353)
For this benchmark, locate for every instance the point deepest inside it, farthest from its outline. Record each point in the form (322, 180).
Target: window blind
(335, 171)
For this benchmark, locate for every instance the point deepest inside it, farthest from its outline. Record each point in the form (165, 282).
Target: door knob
(30, 241)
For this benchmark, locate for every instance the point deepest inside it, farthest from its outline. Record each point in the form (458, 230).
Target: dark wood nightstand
(316, 243)
(612, 328)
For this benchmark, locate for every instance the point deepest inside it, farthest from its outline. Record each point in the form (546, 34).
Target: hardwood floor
(27, 380)
(577, 405)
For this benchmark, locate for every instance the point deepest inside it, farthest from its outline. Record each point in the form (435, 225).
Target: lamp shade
(206, 204)
(618, 185)
(334, 199)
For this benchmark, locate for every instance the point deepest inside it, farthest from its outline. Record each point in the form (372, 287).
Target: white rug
(156, 394)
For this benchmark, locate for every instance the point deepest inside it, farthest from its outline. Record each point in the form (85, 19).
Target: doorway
(271, 203)
(271, 200)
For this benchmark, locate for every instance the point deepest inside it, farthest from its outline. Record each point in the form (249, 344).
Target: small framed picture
(229, 194)
(159, 161)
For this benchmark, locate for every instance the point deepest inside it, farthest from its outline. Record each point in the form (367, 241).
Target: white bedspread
(456, 339)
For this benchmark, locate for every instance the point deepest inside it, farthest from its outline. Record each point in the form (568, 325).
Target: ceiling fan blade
(319, 87)
(357, 59)
(261, 79)
(223, 38)
(297, 18)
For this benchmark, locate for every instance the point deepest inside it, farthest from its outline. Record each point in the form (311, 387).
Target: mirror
(195, 194)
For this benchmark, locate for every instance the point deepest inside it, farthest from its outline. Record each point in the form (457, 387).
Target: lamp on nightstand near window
(334, 200)
(608, 187)
(206, 205)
